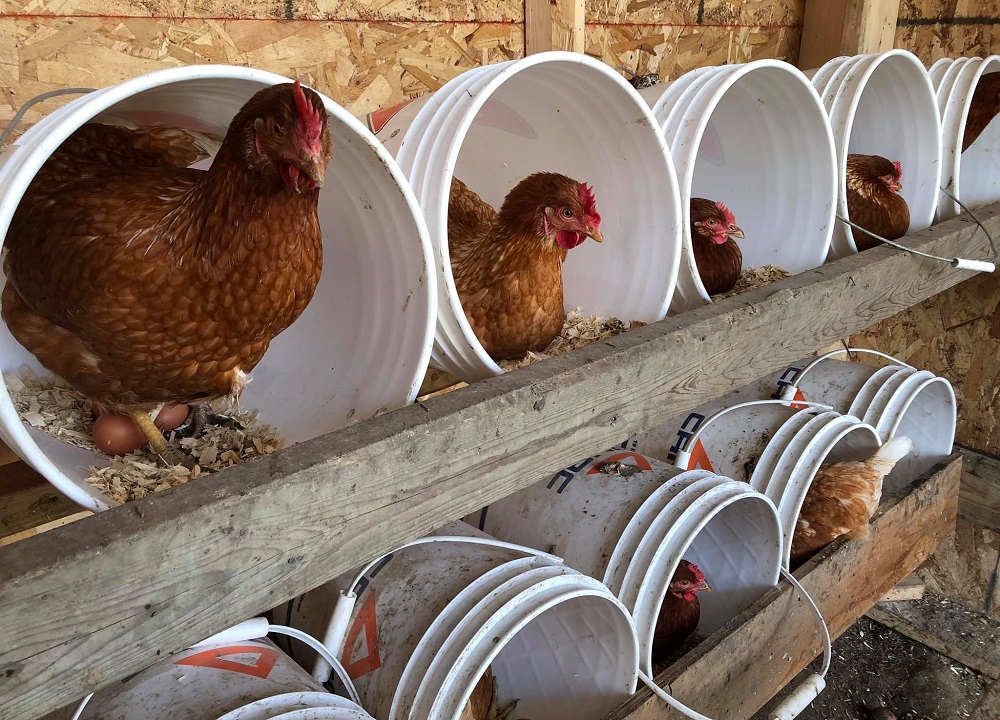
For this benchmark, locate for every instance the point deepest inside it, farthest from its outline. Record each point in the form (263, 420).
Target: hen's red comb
(728, 216)
(310, 120)
(899, 169)
(699, 576)
(589, 203)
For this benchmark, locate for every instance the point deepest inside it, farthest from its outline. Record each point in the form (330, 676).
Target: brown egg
(171, 417)
(117, 434)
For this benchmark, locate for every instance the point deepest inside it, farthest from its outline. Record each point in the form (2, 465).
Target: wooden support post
(979, 500)
(832, 28)
(553, 25)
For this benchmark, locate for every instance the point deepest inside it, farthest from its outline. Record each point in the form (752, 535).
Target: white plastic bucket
(248, 680)
(895, 400)
(631, 531)
(363, 344)
(973, 176)
(430, 619)
(562, 112)
(776, 448)
(754, 136)
(883, 104)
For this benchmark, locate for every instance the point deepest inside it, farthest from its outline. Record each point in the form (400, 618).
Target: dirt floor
(875, 667)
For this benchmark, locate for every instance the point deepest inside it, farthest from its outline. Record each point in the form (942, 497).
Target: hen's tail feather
(889, 454)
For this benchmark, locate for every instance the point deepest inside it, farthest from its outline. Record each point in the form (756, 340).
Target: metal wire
(949, 261)
(16, 120)
(965, 207)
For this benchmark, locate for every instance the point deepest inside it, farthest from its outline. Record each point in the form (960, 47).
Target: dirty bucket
(428, 620)
(754, 136)
(246, 680)
(884, 104)
(776, 448)
(493, 126)
(628, 520)
(973, 176)
(362, 345)
(895, 400)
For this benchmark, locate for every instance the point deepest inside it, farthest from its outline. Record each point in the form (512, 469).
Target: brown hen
(140, 281)
(842, 499)
(680, 612)
(984, 107)
(484, 702)
(713, 238)
(873, 200)
(508, 265)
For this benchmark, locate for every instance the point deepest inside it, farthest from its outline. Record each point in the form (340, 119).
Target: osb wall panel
(957, 335)
(933, 29)
(671, 38)
(363, 64)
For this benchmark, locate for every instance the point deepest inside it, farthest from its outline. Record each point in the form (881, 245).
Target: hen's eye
(567, 213)
(277, 129)
(711, 223)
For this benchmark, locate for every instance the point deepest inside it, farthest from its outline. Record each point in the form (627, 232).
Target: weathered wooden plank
(832, 28)
(28, 501)
(909, 588)
(979, 500)
(84, 605)
(734, 672)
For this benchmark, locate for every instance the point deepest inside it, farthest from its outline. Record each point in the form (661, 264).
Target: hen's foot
(202, 418)
(167, 453)
(495, 712)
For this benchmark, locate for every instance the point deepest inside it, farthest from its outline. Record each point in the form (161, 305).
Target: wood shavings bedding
(49, 404)
(578, 331)
(752, 278)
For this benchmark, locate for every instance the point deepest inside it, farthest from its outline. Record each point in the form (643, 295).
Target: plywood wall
(934, 29)
(363, 54)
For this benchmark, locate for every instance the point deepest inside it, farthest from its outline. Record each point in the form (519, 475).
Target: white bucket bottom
(249, 680)
(897, 400)
(628, 520)
(430, 619)
(361, 346)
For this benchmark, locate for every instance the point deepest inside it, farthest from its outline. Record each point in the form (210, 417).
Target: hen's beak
(704, 587)
(594, 233)
(314, 168)
(736, 234)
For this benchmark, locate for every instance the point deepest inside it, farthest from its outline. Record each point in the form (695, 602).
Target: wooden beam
(84, 605)
(734, 672)
(831, 28)
(554, 25)
(909, 588)
(537, 26)
(979, 500)
(28, 501)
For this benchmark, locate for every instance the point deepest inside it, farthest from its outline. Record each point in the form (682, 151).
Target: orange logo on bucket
(641, 461)
(365, 620)
(699, 458)
(798, 400)
(378, 119)
(263, 663)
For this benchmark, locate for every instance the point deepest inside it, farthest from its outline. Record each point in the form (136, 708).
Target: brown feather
(507, 272)
(871, 204)
(140, 281)
(719, 266)
(984, 107)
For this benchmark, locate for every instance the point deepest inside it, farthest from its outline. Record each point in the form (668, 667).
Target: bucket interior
(739, 550)
(911, 137)
(928, 419)
(567, 663)
(536, 120)
(371, 317)
(979, 173)
(763, 144)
